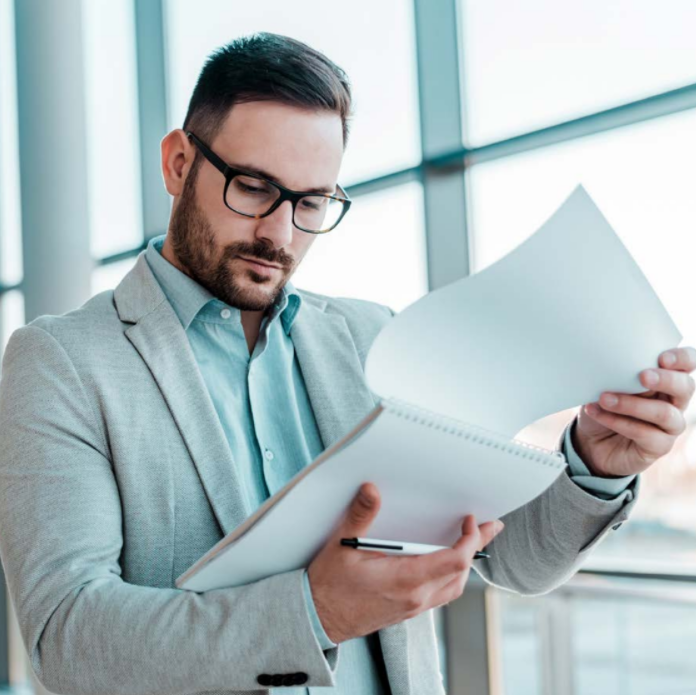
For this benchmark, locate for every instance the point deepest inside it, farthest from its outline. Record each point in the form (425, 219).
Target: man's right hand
(358, 592)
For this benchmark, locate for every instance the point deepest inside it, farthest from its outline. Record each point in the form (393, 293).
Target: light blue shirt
(268, 421)
(269, 424)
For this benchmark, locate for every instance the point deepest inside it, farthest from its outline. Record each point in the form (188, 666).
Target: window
(112, 128)
(385, 133)
(377, 253)
(10, 214)
(527, 65)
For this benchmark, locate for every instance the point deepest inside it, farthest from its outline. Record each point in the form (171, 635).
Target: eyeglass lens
(252, 196)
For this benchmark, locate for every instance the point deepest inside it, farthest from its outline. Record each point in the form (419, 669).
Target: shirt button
(269, 455)
(225, 313)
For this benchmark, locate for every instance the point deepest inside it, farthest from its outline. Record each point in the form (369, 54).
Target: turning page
(566, 315)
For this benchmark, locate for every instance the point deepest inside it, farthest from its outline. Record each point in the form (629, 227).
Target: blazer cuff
(324, 642)
(604, 488)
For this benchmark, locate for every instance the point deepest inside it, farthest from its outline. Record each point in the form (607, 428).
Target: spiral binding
(474, 433)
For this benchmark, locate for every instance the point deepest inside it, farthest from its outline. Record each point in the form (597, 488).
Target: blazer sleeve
(85, 628)
(545, 541)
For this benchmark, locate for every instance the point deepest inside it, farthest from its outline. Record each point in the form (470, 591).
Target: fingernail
(609, 400)
(365, 498)
(651, 377)
(668, 359)
(499, 526)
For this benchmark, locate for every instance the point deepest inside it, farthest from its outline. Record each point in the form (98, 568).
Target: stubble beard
(193, 243)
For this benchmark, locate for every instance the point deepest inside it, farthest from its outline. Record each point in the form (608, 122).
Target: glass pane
(385, 130)
(643, 178)
(10, 211)
(107, 277)
(11, 315)
(614, 637)
(376, 253)
(532, 64)
(519, 625)
(112, 127)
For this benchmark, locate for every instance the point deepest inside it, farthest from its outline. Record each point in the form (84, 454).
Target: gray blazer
(115, 476)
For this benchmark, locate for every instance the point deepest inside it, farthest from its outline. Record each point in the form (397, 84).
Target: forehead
(302, 149)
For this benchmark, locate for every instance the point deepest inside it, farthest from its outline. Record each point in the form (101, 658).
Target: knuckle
(691, 357)
(690, 387)
(413, 602)
(664, 414)
(680, 427)
(460, 565)
(673, 417)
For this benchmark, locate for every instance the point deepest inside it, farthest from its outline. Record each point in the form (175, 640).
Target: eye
(250, 186)
(315, 203)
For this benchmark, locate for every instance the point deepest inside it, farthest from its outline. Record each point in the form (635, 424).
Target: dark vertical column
(465, 620)
(441, 133)
(152, 113)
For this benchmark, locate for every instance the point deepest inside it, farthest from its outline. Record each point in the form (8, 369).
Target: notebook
(561, 318)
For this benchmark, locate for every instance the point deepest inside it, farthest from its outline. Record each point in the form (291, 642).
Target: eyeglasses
(251, 195)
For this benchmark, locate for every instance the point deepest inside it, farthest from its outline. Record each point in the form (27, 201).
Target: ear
(178, 154)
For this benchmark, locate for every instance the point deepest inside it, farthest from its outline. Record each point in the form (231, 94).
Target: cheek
(301, 244)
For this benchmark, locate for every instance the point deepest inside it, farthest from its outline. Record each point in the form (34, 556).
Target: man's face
(244, 261)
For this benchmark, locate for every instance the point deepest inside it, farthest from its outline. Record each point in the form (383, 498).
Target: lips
(264, 264)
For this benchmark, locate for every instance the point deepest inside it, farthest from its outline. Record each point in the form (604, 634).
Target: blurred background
(474, 119)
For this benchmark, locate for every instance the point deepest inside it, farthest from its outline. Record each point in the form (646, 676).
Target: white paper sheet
(566, 315)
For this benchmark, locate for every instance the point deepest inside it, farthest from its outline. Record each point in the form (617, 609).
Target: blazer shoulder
(364, 319)
(348, 307)
(95, 322)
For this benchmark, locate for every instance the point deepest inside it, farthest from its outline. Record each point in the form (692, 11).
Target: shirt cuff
(604, 488)
(323, 639)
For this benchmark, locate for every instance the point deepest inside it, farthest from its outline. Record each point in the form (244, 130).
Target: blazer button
(289, 679)
(277, 680)
(264, 679)
(301, 678)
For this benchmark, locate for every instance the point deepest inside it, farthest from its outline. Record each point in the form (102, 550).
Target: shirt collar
(188, 298)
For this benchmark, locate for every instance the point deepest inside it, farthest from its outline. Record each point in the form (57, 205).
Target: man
(140, 428)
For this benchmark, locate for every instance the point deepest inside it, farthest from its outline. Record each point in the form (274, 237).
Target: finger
(451, 590)
(678, 385)
(470, 541)
(660, 413)
(489, 531)
(449, 561)
(443, 564)
(652, 440)
(361, 512)
(679, 359)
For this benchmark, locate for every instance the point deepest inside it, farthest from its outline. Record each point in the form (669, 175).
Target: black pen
(399, 548)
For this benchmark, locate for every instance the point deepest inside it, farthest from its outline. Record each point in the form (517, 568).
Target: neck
(251, 323)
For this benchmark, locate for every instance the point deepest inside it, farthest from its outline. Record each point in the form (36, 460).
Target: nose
(277, 227)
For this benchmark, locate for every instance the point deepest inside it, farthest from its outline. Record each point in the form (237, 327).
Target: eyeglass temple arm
(209, 154)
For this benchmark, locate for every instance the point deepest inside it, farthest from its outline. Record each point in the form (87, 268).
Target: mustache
(261, 251)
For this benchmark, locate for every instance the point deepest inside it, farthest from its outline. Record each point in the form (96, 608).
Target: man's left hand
(625, 434)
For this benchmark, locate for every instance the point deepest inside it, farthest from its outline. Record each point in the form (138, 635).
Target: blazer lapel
(331, 369)
(159, 338)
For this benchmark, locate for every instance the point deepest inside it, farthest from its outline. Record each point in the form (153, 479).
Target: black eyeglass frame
(285, 193)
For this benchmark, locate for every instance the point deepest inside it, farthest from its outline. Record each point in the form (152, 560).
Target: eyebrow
(326, 190)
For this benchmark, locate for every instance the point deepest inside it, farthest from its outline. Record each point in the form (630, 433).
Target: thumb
(361, 512)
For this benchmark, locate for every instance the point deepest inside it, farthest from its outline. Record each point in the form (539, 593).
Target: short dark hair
(266, 67)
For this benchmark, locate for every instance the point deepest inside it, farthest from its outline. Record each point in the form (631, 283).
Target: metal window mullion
(665, 104)
(467, 627)
(152, 113)
(441, 132)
